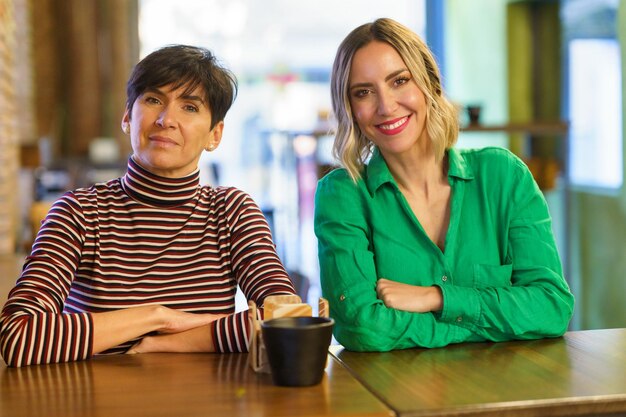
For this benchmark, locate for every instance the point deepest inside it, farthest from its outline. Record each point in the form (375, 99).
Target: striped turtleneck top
(139, 239)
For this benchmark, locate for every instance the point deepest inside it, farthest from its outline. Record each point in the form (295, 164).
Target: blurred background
(542, 78)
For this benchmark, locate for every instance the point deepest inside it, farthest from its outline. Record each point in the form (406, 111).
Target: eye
(361, 92)
(191, 108)
(151, 100)
(401, 80)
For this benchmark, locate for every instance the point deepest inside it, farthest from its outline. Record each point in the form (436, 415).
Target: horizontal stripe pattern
(138, 240)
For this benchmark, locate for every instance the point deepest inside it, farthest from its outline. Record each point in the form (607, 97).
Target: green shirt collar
(458, 166)
(377, 173)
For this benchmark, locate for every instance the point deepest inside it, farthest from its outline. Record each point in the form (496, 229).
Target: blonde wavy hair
(351, 147)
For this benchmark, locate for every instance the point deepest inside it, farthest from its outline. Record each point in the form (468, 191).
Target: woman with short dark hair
(150, 261)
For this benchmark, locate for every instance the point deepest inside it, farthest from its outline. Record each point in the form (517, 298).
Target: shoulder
(336, 175)
(493, 161)
(491, 154)
(86, 195)
(99, 191)
(229, 200)
(339, 196)
(338, 181)
(82, 204)
(226, 194)
(501, 173)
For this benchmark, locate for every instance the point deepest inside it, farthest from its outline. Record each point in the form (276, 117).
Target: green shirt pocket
(492, 275)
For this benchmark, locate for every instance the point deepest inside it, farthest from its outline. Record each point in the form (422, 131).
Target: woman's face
(170, 129)
(387, 104)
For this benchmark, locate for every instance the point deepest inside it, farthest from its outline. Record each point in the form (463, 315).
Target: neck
(148, 188)
(418, 172)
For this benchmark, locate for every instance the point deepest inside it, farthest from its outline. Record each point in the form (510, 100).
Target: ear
(126, 122)
(215, 136)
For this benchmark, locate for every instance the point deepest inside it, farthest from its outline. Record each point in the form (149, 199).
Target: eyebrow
(153, 90)
(387, 78)
(190, 97)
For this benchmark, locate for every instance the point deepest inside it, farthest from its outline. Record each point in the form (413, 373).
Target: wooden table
(175, 385)
(583, 373)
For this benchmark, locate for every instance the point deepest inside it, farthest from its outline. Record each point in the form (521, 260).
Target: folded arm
(528, 297)
(259, 273)
(365, 313)
(113, 328)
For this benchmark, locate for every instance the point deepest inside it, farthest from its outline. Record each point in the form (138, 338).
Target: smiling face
(169, 129)
(386, 103)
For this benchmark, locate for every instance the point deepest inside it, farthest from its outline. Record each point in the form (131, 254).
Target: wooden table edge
(575, 407)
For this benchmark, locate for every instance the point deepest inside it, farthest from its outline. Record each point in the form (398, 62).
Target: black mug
(297, 349)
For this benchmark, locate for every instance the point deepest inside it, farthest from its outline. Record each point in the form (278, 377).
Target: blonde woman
(421, 244)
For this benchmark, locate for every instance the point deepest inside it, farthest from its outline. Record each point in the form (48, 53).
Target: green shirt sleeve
(348, 278)
(536, 301)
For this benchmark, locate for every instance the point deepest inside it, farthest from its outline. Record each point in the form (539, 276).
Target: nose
(166, 118)
(387, 102)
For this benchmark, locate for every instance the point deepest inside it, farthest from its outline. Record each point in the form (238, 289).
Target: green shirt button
(444, 278)
(459, 319)
(342, 297)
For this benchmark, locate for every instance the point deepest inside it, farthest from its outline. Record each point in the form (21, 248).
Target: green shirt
(500, 272)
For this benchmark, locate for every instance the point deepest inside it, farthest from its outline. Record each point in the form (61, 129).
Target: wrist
(436, 298)
(211, 345)
(157, 317)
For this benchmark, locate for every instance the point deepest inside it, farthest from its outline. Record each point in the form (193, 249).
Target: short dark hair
(189, 67)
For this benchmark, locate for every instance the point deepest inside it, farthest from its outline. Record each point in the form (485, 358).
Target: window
(595, 113)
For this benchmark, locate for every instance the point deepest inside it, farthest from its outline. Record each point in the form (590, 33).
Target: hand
(176, 321)
(111, 328)
(148, 344)
(412, 298)
(196, 339)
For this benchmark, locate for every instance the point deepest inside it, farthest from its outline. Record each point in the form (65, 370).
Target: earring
(209, 148)
(127, 129)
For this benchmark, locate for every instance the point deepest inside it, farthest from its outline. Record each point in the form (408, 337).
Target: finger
(134, 349)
